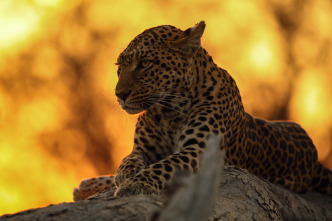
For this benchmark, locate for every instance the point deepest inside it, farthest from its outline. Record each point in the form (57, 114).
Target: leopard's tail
(322, 179)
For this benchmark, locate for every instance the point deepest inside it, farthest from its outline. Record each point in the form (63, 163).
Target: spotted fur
(184, 97)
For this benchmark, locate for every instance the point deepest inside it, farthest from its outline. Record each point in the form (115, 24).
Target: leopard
(183, 97)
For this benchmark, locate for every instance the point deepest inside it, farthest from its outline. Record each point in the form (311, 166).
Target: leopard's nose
(123, 95)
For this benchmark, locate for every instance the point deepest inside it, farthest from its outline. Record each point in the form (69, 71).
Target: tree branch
(212, 194)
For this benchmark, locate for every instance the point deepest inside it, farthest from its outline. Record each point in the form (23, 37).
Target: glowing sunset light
(313, 94)
(48, 3)
(59, 118)
(17, 23)
(261, 55)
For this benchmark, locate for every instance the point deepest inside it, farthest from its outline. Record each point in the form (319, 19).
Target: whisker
(170, 100)
(171, 97)
(154, 107)
(165, 103)
(169, 107)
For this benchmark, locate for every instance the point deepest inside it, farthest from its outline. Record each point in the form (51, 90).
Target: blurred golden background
(59, 119)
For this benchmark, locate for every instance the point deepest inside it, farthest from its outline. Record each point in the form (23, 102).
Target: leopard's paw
(135, 189)
(89, 187)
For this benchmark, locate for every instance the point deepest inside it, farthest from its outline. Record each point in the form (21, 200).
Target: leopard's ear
(189, 41)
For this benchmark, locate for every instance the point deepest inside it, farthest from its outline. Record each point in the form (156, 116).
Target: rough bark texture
(212, 194)
(240, 196)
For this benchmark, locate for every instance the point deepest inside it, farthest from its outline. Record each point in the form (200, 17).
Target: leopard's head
(155, 65)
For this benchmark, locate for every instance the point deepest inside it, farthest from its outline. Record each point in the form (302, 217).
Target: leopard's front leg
(91, 186)
(130, 166)
(144, 153)
(152, 179)
(191, 143)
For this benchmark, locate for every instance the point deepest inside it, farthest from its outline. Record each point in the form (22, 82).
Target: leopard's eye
(143, 64)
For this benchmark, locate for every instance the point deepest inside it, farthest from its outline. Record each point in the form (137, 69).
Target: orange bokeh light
(59, 118)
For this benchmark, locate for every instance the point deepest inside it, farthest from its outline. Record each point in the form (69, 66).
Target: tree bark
(240, 196)
(213, 194)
